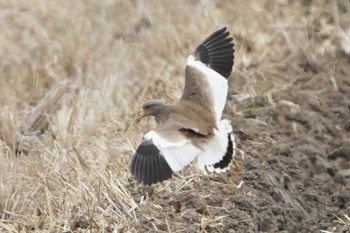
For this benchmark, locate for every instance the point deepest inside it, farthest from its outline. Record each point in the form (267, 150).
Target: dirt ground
(73, 74)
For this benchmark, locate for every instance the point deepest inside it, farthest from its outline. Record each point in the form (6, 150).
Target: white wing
(218, 86)
(178, 152)
(213, 60)
(162, 152)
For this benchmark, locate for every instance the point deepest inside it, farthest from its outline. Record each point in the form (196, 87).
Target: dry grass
(73, 73)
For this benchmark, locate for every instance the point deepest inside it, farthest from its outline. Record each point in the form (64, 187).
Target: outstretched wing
(162, 152)
(217, 52)
(207, 71)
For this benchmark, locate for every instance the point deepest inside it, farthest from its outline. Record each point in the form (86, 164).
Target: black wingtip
(217, 52)
(148, 165)
(224, 163)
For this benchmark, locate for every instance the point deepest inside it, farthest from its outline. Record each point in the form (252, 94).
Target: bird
(191, 127)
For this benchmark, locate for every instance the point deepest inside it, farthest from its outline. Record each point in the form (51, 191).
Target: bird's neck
(163, 115)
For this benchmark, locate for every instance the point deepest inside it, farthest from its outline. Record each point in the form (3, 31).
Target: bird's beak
(140, 115)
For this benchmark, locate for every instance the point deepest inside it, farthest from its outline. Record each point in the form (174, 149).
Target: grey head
(155, 108)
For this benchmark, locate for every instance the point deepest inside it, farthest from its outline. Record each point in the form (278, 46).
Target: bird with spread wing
(191, 127)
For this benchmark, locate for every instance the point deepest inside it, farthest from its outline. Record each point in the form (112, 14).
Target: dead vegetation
(73, 73)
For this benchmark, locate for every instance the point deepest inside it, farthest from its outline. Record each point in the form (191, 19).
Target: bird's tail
(219, 151)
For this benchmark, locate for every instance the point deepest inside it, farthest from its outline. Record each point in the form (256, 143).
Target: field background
(73, 74)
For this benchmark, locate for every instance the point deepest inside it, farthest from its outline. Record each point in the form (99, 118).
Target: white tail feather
(215, 149)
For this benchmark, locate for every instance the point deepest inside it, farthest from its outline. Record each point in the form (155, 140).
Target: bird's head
(154, 108)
